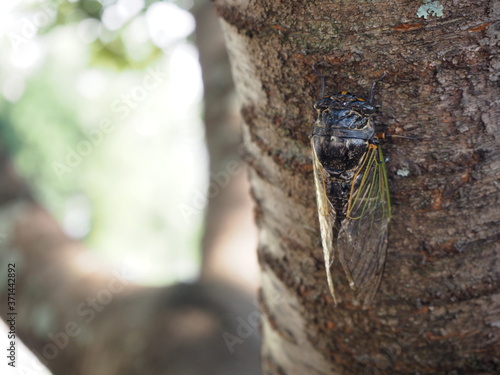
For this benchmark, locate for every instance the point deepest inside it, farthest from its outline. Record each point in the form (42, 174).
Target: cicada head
(344, 111)
(344, 102)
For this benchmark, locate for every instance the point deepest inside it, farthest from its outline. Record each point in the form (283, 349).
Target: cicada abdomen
(352, 191)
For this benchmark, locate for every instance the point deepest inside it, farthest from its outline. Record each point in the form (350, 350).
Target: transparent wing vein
(326, 216)
(362, 238)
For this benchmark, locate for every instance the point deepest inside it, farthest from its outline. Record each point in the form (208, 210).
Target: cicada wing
(326, 216)
(362, 239)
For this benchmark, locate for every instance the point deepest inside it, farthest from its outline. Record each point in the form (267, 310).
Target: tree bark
(438, 307)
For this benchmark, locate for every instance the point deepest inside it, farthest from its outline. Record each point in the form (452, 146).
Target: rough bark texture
(438, 308)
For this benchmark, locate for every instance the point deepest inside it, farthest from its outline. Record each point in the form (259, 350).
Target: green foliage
(112, 52)
(126, 178)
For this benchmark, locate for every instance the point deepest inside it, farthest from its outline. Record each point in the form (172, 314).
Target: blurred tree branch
(230, 237)
(81, 318)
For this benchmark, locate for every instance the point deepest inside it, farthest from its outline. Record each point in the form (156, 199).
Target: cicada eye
(321, 104)
(363, 107)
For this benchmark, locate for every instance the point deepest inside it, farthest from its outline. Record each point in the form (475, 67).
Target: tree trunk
(438, 307)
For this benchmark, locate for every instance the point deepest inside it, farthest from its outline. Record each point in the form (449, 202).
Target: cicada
(352, 191)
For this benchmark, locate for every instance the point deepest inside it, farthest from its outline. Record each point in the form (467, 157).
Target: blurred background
(102, 111)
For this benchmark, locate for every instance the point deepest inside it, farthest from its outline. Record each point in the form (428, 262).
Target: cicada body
(352, 191)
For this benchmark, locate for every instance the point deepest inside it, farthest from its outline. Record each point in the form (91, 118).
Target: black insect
(352, 190)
